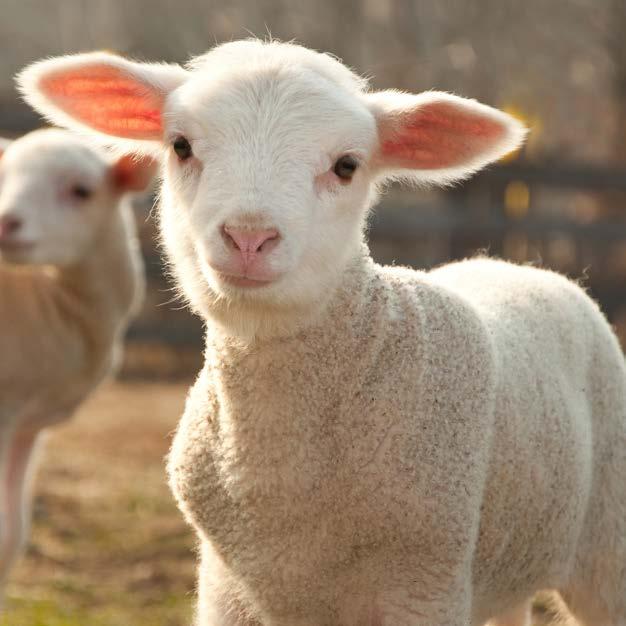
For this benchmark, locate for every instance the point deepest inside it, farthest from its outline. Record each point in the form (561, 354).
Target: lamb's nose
(9, 224)
(249, 242)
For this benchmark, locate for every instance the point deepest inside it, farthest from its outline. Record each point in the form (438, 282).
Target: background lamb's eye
(182, 148)
(81, 192)
(345, 167)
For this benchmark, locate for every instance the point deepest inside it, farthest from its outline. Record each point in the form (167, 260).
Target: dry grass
(109, 547)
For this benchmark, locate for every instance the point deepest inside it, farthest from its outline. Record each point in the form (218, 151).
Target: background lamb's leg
(7, 432)
(17, 460)
(6, 438)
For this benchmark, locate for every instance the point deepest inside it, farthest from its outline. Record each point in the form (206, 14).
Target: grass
(108, 546)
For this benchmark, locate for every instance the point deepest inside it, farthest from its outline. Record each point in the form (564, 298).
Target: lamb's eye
(81, 192)
(345, 167)
(182, 148)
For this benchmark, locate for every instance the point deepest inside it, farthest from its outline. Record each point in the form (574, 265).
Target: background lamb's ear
(436, 137)
(133, 173)
(102, 93)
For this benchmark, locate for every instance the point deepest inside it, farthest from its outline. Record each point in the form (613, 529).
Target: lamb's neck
(103, 289)
(277, 389)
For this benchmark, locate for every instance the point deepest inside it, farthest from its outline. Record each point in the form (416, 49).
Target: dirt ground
(108, 546)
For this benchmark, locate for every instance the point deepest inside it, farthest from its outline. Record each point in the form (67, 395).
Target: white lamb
(365, 445)
(70, 278)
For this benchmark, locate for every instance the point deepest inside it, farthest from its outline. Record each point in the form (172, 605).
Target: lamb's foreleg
(218, 601)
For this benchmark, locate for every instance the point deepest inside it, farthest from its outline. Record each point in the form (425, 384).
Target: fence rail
(454, 220)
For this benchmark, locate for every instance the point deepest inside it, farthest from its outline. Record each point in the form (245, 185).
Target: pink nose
(9, 225)
(250, 242)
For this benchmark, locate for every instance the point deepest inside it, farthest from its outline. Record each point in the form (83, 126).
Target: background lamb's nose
(249, 242)
(9, 224)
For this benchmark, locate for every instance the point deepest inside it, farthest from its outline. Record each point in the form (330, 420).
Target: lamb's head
(57, 193)
(272, 157)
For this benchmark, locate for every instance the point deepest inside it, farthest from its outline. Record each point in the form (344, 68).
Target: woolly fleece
(435, 449)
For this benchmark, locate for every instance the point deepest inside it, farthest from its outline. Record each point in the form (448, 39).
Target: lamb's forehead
(281, 95)
(55, 151)
(255, 55)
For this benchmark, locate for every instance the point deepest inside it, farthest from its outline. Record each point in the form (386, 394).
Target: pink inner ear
(440, 135)
(108, 100)
(132, 173)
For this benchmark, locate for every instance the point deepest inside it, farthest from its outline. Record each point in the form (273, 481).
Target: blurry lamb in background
(71, 277)
(366, 445)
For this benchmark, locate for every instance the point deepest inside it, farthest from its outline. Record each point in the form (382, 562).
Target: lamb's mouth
(244, 281)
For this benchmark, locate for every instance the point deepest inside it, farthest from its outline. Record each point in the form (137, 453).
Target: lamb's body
(554, 508)
(64, 328)
(365, 446)
(62, 325)
(479, 419)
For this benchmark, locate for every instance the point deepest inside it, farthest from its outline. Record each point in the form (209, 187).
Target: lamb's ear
(102, 93)
(133, 173)
(436, 137)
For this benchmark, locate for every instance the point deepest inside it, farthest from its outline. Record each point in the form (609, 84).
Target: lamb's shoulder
(456, 392)
(456, 351)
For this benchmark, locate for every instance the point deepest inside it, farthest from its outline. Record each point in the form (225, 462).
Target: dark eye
(345, 167)
(182, 148)
(80, 191)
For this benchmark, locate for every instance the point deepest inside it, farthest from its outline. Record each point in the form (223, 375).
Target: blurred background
(109, 548)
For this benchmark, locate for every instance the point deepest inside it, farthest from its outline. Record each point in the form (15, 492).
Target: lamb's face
(52, 192)
(58, 195)
(267, 178)
(273, 152)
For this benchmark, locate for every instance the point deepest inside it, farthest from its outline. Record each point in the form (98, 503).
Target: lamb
(71, 277)
(365, 445)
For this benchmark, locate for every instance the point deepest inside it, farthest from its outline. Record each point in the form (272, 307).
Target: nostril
(248, 241)
(271, 236)
(230, 240)
(263, 238)
(9, 225)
